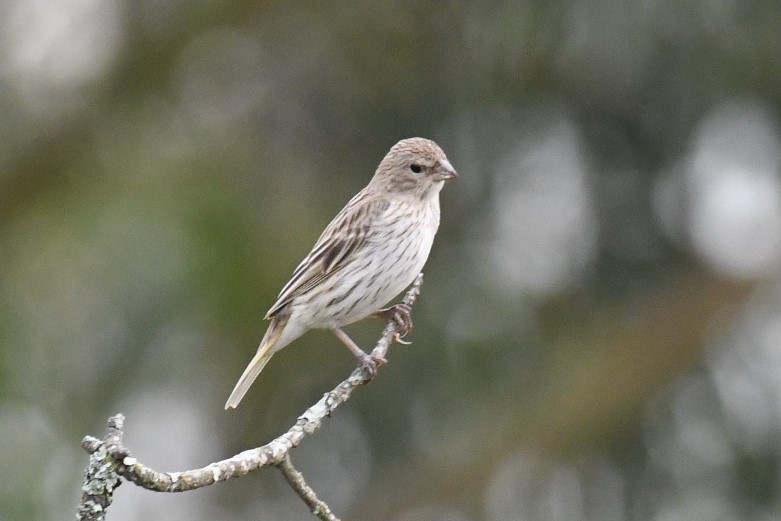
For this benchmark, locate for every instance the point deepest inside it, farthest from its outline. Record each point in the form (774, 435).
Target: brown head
(415, 166)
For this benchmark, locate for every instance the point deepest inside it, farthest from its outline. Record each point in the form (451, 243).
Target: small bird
(369, 253)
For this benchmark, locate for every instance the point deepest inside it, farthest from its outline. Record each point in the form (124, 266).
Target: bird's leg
(401, 314)
(363, 358)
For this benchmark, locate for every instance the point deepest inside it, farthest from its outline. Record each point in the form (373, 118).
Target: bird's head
(415, 166)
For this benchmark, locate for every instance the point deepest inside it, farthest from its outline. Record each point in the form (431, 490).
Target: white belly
(389, 266)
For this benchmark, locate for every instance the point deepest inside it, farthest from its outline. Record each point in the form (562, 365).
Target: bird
(369, 253)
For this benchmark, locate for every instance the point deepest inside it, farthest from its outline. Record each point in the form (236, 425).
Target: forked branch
(110, 460)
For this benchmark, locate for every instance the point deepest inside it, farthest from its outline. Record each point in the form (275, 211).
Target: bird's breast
(397, 246)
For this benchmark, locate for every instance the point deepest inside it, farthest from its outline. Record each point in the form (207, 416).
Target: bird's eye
(416, 168)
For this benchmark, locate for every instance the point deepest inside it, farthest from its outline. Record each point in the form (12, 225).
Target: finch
(369, 253)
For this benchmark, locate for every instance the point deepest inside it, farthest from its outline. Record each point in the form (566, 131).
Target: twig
(100, 477)
(297, 481)
(110, 459)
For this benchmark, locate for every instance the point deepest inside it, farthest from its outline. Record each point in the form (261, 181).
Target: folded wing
(341, 241)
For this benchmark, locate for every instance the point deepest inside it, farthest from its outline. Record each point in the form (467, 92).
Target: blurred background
(599, 331)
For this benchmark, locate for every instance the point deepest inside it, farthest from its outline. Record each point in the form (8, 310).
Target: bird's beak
(445, 171)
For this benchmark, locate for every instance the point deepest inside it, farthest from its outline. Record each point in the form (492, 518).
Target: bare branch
(297, 481)
(100, 480)
(110, 459)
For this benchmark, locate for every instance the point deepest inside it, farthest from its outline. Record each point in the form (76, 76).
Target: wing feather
(342, 239)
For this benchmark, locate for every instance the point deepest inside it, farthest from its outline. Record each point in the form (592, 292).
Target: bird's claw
(401, 314)
(370, 363)
(397, 337)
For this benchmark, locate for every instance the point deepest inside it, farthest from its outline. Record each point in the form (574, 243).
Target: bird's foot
(401, 314)
(370, 363)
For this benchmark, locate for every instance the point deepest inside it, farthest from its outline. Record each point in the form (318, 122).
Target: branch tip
(116, 423)
(91, 444)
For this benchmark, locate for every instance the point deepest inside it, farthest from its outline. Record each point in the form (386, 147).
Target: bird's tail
(259, 361)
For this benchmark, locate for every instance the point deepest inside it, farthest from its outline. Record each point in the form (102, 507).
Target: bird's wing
(342, 239)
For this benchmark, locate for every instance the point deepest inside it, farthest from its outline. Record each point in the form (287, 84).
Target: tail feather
(258, 362)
